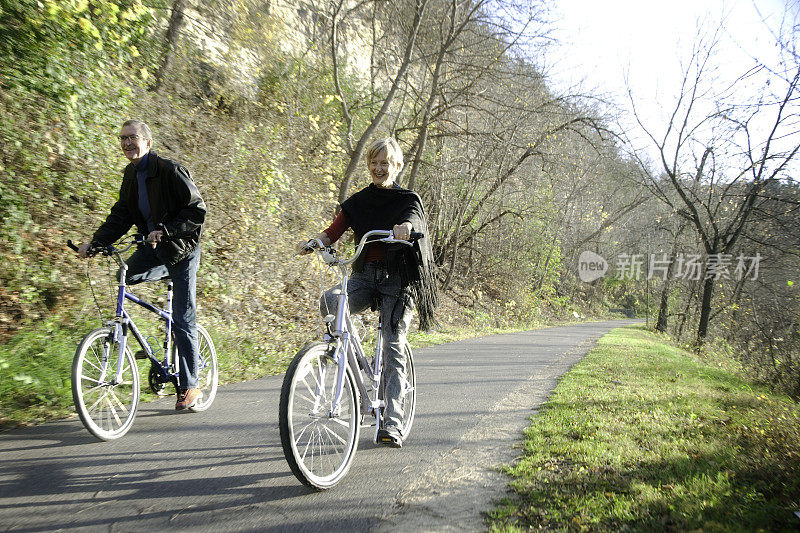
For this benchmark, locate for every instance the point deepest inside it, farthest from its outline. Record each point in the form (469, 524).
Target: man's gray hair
(143, 128)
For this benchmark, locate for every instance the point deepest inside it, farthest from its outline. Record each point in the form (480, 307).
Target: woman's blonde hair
(393, 152)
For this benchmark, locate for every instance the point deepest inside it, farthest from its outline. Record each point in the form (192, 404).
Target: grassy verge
(642, 436)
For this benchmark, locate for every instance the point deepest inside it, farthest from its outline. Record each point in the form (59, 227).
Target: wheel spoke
(113, 396)
(113, 411)
(302, 431)
(87, 378)
(308, 387)
(312, 401)
(308, 444)
(94, 365)
(318, 375)
(93, 407)
(340, 422)
(332, 433)
(329, 456)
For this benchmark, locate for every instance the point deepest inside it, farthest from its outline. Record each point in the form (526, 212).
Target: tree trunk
(173, 34)
(454, 251)
(358, 150)
(705, 309)
(434, 88)
(663, 307)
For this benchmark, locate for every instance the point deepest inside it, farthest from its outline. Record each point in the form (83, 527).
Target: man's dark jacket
(175, 202)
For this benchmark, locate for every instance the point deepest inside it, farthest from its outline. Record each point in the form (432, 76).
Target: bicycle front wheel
(319, 443)
(409, 401)
(207, 370)
(106, 405)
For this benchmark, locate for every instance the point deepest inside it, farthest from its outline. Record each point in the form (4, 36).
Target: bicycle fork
(120, 328)
(120, 336)
(340, 356)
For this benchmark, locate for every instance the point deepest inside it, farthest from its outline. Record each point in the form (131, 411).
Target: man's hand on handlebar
(83, 250)
(89, 249)
(155, 237)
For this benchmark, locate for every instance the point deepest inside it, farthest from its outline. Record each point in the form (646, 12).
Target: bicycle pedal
(140, 355)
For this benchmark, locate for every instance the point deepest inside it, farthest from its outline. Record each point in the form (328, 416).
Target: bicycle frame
(123, 322)
(348, 343)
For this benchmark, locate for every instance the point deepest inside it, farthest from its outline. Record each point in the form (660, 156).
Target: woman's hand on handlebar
(303, 247)
(402, 231)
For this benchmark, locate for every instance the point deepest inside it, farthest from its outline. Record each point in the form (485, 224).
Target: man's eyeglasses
(133, 138)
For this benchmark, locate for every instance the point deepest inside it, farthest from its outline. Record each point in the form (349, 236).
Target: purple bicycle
(105, 376)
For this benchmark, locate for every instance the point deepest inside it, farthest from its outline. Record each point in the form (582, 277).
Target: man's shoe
(391, 437)
(188, 398)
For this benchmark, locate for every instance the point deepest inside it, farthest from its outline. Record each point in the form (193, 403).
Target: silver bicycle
(332, 387)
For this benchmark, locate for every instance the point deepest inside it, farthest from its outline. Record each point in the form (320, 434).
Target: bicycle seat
(137, 279)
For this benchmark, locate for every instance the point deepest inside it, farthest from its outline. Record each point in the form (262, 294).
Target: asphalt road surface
(224, 470)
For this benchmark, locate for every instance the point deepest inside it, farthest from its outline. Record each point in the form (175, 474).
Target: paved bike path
(224, 470)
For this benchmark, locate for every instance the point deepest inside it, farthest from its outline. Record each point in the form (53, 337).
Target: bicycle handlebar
(387, 236)
(126, 244)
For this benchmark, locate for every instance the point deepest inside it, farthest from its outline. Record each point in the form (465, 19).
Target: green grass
(643, 436)
(35, 373)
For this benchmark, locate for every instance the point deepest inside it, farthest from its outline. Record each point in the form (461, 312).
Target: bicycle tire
(100, 403)
(410, 396)
(319, 451)
(207, 370)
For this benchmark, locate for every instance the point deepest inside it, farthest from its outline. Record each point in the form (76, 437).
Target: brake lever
(328, 254)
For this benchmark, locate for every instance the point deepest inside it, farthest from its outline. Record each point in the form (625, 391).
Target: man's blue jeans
(144, 265)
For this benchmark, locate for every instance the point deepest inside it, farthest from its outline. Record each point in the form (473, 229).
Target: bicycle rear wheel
(107, 408)
(410, 397)
(207, 370)
(319, 446)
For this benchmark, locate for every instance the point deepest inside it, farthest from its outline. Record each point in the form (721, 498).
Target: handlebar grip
(94, 248)
(416, 235)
